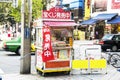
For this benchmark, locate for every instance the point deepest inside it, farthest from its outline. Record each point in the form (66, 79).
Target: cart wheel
(39, 72)
(43, 74)
(67, 72)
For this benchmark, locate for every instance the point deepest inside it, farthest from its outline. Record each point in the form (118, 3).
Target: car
(14, 45)
(111, 42)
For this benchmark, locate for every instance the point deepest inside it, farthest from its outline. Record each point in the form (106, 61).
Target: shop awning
(114, 21)
(89, 22)
(60, 23)
(105, 16)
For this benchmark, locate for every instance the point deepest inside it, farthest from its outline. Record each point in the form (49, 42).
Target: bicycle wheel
(115, 60)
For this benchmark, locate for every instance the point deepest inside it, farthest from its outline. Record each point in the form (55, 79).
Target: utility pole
(26, 18)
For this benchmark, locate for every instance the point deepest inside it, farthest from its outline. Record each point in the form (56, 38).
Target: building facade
(82, 10)
(107, 7)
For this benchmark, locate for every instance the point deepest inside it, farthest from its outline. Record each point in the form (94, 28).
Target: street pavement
(112, 74)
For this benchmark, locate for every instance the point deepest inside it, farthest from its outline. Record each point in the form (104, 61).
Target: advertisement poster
(97, 7)
(39, 58)
(115, 4)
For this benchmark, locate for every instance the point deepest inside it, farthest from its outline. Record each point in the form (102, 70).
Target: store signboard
(115, 4)
(97, 7)
(87, 9)
(109, 6)
(56, 13)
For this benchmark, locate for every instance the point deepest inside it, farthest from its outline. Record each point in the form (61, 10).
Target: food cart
(54, 41)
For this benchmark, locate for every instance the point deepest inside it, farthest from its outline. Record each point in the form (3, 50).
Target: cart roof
(55, 23)
(59, 23)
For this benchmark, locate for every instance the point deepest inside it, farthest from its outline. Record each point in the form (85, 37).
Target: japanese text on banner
(47, 47)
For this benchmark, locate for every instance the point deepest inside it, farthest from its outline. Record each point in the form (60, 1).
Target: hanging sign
(88, 4)
(27, 33)
(56, 13)
(47, 47)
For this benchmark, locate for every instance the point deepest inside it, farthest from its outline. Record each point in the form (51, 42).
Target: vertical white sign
(15, 3)
(6, 0)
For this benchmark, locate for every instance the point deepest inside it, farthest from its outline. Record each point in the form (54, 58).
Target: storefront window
(60, 37)
(79, 34)
(114, 29)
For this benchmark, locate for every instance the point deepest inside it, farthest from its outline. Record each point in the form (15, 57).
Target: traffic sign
(6, 0)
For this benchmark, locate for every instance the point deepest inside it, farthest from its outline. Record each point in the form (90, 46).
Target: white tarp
(86, 49)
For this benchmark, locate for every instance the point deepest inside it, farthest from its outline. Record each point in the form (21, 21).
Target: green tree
(36, 10)
(4, 11)
(15, 12)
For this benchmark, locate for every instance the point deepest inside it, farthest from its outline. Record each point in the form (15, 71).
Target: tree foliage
(8, 12)
(15, 12)
(37, 7)
(36, 10)
(4, 11)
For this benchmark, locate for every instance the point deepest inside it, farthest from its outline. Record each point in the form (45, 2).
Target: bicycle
(114, 59)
